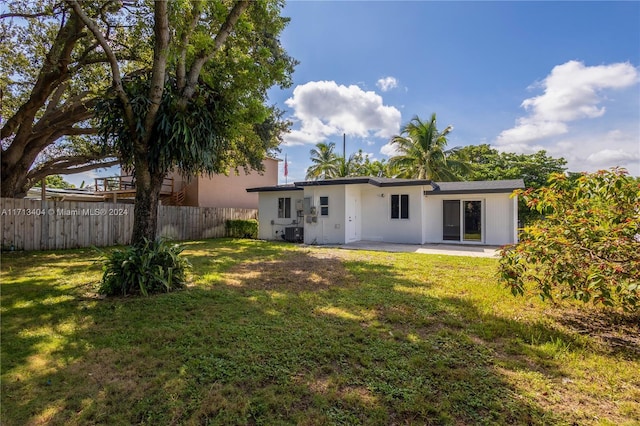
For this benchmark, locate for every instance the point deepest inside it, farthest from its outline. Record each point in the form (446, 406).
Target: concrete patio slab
(446, 249)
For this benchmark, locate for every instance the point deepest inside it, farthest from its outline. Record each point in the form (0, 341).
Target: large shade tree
(200, 105)
(535, 169)
(422, 152)
(52, 72)
(488, 163)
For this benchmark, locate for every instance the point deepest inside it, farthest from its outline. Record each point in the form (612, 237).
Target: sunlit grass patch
(272, 333)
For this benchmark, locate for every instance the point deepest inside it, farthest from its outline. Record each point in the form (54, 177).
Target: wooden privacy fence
(53, 225)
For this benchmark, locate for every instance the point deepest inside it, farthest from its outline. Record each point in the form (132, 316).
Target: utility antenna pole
(344, 154)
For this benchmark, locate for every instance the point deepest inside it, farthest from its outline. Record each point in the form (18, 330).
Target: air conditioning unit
(294, 234)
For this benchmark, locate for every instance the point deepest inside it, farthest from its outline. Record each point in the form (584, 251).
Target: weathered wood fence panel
(53, 225)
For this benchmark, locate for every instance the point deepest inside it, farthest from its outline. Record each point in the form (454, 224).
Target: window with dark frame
(324, 206)
(400, 206)
(284, 208)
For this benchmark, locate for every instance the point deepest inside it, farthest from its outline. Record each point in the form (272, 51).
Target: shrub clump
(586, 247)
(153, 267)
(242, 228)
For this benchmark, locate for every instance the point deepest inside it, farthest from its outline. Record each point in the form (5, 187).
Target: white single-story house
(410, 211)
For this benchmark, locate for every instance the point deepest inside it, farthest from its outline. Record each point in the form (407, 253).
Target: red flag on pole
(286, 166)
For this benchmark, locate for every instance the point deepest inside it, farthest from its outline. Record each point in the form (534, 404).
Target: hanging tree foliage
(200, 106)
(52, 72)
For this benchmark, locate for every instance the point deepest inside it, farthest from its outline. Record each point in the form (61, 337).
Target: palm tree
(422, 153)
(326, 163)
(377, 168)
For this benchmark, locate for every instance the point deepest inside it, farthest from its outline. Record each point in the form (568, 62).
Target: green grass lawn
(272, 334)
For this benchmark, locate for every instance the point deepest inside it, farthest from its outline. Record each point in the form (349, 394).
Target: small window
(284, 208)
(400, 206)
(324, 206)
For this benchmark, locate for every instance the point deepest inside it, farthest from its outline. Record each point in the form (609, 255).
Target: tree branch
(69, 131)
(181, 70)
(158, 72)
(87, 51)
(71, 112)
(77, 131)
(238, 8)
(53, 102)
(53, 71)
(26, 15)
(70, 165)
(113, 61)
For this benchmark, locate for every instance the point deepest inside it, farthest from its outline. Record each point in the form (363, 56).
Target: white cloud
(572, 91)
(387, 83)
(614, 148)
(613, 156)
(323, 108)
(390, 150)
(588, 151)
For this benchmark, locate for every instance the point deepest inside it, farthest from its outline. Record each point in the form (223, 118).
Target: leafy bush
(586, 247)
(153, 267)
(242, 228)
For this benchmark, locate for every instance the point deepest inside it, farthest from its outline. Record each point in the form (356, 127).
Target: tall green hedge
(242, 228)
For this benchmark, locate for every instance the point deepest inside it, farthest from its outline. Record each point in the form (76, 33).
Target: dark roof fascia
(405, 183)
(366, 180)
(275, 189)
(473, 191)
(327, 182)
(479, 187)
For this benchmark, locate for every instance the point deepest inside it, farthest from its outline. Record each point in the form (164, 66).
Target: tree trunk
(13, 178)
(18, 160)
(11, 183)
(145, 220)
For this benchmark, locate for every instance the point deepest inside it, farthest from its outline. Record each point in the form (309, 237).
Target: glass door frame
(462, 203)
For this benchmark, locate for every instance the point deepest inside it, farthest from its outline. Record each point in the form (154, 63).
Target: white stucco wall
(499, 219)
(363, 212)
(328, 229)
(377, 224)
(268, 211)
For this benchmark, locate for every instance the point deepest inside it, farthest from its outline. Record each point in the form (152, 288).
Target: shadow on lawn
(293, 337)
(40, 299)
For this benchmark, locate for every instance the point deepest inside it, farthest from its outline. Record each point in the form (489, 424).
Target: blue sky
(521, 76)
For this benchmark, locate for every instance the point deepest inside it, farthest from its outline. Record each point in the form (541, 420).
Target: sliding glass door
(451, 220)
(472, 221)
(462, 215)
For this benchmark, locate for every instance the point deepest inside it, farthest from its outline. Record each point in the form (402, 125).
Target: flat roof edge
(274, 189)
(473, 191)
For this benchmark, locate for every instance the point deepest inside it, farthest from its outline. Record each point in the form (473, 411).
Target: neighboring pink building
(202, 191)
(227, 191)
